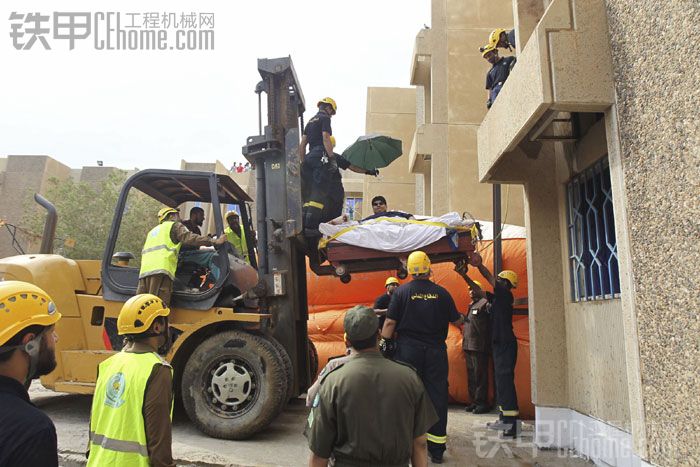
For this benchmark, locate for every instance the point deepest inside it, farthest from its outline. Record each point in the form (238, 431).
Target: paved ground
(282, 444)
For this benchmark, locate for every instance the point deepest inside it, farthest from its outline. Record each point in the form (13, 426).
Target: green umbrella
(373, 151)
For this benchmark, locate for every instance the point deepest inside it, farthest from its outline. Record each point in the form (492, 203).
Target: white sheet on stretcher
(386, 234)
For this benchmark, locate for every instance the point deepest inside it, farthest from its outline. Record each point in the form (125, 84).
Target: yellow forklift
(241, 349)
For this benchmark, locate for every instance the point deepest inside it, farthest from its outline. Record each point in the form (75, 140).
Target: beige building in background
(449, 74)
(597, 122)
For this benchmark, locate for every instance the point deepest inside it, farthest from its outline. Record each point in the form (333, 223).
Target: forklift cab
(202, 278)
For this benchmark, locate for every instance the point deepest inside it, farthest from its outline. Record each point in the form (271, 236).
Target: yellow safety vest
(159, 254)
(117, 430)
(238, 242)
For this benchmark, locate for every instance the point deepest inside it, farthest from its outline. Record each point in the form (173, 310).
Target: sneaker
(470, 408)
(435, 458)
(479, 409)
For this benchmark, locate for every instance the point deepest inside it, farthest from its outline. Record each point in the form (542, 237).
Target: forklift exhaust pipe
(49, 225)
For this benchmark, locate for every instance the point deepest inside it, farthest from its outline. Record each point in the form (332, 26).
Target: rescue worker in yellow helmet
(505, 349)
(235, 234)
(27, 351)
(131, 417)
(381, 304)
(476, 343)
(315, 176)
(160, 253)
(499, 72)
(502, 39)
(420, 312)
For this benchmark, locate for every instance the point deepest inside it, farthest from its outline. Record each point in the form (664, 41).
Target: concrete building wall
(659, 143)
(392, 112)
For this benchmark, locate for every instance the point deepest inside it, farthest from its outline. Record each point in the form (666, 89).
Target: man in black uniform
(505, 349)
(315, 176)
(370, 410)
(499, 72)
(476, 342)
(420, 312)
(27, 351)
(381, 304)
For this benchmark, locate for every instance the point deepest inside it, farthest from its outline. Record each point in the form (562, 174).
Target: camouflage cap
(360, 323)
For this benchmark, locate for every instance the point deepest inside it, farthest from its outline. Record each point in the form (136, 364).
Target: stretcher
(457, 242)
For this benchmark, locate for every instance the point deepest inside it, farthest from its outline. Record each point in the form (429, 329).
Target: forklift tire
(289, 367)
(345, 279)
(234, 384)
(313, 360)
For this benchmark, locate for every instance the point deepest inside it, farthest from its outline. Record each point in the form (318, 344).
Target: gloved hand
(373, 172)
(461, 267)
(387, 347)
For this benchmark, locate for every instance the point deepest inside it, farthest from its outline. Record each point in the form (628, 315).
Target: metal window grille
(595, 274)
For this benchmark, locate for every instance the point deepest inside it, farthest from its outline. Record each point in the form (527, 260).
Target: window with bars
(595, 274)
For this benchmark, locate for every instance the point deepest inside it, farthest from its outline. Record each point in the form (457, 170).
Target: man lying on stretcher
(380, 210)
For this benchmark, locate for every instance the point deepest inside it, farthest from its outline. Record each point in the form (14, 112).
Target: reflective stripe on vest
(117, 429)
(238, 243)
(159, 254)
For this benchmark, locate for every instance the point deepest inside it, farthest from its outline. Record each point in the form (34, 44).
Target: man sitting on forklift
(160, 253)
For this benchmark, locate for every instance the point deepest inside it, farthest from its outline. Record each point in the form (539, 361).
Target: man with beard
(130, 421)
(27, 350)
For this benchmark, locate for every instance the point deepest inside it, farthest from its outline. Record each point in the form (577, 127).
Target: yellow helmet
(486, 49)
(391, 280)
(23, 305)
(332, 141)
(418, 263)
(510, 276)
(139, 312)
(329, 101)
(163, 213)
(231, 213)
(478, 284)
(495, 36)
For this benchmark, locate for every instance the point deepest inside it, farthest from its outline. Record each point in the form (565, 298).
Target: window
(593, 264)
(353, 208)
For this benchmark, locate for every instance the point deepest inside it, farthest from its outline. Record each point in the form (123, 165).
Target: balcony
(564, 68)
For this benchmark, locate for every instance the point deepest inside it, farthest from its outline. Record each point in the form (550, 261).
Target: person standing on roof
(131, 416)
(27, 351)
(420, 312)
(505, 349)
(160, 253)
(235, 234)
(499, 72)
(315, 176)
(476, 343)
(381, 304)
(370, 410)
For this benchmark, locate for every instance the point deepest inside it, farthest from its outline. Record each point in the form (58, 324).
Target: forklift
(241, 349)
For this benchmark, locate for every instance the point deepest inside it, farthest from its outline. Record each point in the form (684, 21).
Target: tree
(85, 217)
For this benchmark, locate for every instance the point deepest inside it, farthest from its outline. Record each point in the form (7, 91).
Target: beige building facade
(597, 124)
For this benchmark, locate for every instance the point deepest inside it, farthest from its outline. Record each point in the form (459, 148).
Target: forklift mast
(278, 205)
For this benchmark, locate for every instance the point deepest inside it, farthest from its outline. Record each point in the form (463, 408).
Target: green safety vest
(159, 254)
(117, 430)
(238, 242)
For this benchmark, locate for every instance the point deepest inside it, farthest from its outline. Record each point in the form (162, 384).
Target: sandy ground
(282, 443)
